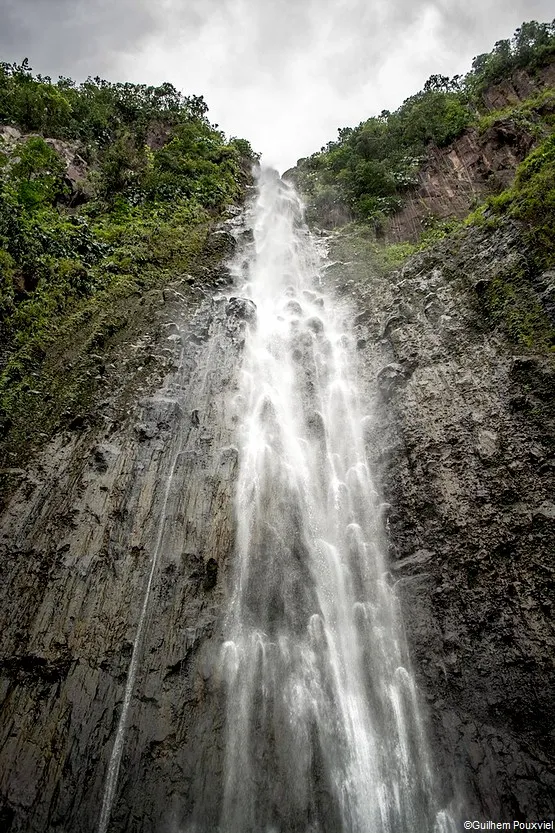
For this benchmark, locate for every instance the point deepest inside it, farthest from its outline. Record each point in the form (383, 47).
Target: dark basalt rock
(462, 445)
(470, 480)
(416, 560)
(242, 308)
(76, 547)
(211, 576)
(390, 377)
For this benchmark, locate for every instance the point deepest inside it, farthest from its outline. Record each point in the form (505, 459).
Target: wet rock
(524, 363)
(100, 459)
(293, 308)
(546, 510)
(31, 667)
(315, 324)
(10, 135)
(487, 445)
(363, 317)
(76, 548)
(230, 456)
(242, 308)
(481, 286)
(520, 402)
(245, 237)
(392, 322)
(145, 432)
(77, 422)
(471, 483)
(211, 576)
(415, 560)
(222, 276)
(391, 377)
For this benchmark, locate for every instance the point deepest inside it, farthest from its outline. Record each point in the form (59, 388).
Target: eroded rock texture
(521, 85)
(455, 179)
(77, 546)
(463, 440)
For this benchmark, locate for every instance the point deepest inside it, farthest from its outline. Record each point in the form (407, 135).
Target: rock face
(461, 435)
(463, 438)
(453, 180)
(77, 546)
(520, 86)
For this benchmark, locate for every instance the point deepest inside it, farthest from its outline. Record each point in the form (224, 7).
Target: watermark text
(508, 825)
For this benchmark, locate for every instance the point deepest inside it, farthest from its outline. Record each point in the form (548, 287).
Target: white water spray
(324, 733)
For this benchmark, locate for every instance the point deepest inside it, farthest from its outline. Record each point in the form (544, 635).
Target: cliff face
(465, 427)
(77, 546)
(520, 86)
(462, 438)
(453, 180)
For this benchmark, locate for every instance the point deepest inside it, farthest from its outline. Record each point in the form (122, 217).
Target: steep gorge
(461, 441)
(78, 543)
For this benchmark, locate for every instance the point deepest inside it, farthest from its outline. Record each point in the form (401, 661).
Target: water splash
(323, 732)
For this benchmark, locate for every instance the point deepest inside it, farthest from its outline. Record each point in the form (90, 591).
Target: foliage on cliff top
(365, 172)
(95, 111)
(155, 175)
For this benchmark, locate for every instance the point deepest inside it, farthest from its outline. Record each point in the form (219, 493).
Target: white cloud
(281, 73)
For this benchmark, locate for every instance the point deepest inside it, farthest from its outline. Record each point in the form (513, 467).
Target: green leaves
(532, 45)
(37, 175)
(371, 165)
(531, 201)
(115, 203)
(96, 109)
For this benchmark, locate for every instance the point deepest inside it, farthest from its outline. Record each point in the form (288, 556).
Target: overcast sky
(284, 74)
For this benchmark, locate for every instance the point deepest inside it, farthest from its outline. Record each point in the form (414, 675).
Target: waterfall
(324, 733)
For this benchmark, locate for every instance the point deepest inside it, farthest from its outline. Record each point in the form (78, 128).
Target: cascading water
(324, 733)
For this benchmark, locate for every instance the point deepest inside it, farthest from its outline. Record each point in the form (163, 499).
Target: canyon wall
(461, 436)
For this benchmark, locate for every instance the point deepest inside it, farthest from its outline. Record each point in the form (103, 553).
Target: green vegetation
(532, 46)
(76, 248)
(363, 244)
(530, 200)
(511, 303)
(365, 173)
(535, 115)
(94, 112)
(510, 299)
